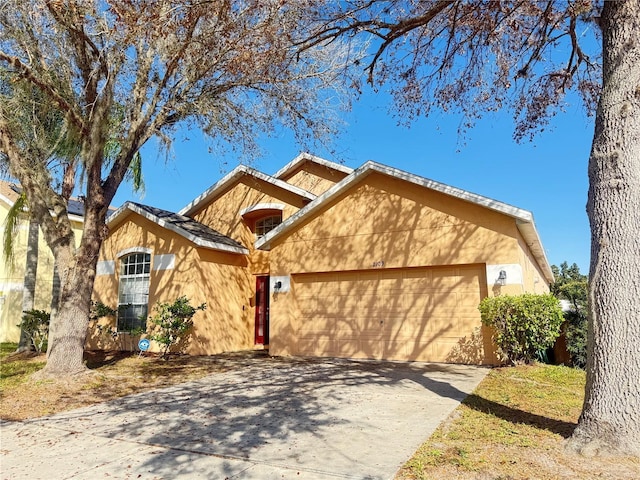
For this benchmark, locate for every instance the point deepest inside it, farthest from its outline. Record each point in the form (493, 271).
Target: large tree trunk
(610, 420)
(68, 332)
(30, 276)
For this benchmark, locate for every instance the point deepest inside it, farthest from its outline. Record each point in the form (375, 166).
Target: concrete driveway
(265, 418)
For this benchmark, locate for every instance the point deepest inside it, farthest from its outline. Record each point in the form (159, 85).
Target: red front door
(262, 310)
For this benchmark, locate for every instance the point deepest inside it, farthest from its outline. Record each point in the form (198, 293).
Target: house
(323, 260)
(12, 272)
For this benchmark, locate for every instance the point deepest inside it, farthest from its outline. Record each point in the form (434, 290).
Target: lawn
(512, 427)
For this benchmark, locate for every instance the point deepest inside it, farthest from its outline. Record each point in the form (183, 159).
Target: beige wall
(314, 178)
(534, 279)
(223, 214)
(12, 277)
(387, 220)
(220, 279)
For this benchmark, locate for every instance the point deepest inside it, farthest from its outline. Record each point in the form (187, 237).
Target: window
(265, 225)
(133, 291)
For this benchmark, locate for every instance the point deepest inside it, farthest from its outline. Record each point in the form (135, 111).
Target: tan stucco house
(323, 260)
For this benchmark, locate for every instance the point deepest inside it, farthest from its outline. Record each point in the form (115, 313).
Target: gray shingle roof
(195, 230)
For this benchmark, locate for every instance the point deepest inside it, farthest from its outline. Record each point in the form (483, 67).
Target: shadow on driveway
(270, 418)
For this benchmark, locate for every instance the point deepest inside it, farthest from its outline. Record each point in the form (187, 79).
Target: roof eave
(124, 210)
(303, 157)
(532, 239)
(235, 174)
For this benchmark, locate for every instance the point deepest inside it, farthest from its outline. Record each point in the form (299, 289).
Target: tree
(527, 56)
(225, 67)
(31, 259)
(40, 128)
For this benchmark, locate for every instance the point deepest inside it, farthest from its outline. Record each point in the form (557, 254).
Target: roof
(307, 157)
(194, 231)
(9, 192)
(524, 218)
(233, 176)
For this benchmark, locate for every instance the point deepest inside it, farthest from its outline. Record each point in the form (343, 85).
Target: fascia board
(76, 218)
(530, 234)
(234, 175)
(170, 226)
(213, 189)
(281, 184)
(264, 242)
(6, 200)
(303, 157)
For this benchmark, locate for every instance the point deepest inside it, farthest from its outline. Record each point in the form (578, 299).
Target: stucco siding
(12, 276)
(219, 279)
(384, 222)
(534, 279)
(314, 178)
(224, 215)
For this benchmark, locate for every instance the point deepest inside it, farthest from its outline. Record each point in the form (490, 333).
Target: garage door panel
(404, 314)
(416, 304)
(320, 324)
(417, 282)
(379, 305)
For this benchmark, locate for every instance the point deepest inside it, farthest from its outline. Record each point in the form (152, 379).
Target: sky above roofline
(547, 176)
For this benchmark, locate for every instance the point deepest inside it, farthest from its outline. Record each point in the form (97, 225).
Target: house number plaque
(378, 264)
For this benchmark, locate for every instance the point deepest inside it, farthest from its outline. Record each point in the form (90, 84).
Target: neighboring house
(323, 260)
(12, 273)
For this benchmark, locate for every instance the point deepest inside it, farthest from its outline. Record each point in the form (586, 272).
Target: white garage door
(426, 314)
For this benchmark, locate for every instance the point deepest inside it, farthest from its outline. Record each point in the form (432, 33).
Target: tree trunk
(55, 292)
(68, 332)
(30, 275)
(610, 420)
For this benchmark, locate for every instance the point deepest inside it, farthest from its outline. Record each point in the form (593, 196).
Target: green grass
(14, 373)
(6, 349)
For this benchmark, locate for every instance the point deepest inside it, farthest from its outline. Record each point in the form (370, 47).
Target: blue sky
(547, 176)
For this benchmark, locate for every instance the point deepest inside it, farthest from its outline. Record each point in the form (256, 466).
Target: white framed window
(265, 225)
(133, 291)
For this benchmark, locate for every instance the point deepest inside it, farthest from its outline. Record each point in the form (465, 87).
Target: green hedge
(525, 325)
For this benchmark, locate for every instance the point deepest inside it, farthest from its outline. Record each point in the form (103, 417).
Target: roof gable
(523, 218)
(197, 233)
(233, 177)
(303, 158)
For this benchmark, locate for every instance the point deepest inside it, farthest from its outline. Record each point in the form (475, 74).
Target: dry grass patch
(513, 427)
(112, 375)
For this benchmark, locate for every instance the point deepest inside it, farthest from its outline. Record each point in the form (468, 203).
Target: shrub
(172, 323)
(35, 324)
(572, 286)
(524, 325)
(576, 335)
(99, 310)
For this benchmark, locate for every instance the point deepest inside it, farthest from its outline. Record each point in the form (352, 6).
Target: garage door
(426, 314)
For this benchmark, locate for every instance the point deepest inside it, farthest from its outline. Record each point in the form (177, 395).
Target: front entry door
(262, 310)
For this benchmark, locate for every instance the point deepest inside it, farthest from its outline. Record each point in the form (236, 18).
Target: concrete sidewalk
(266, 419)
